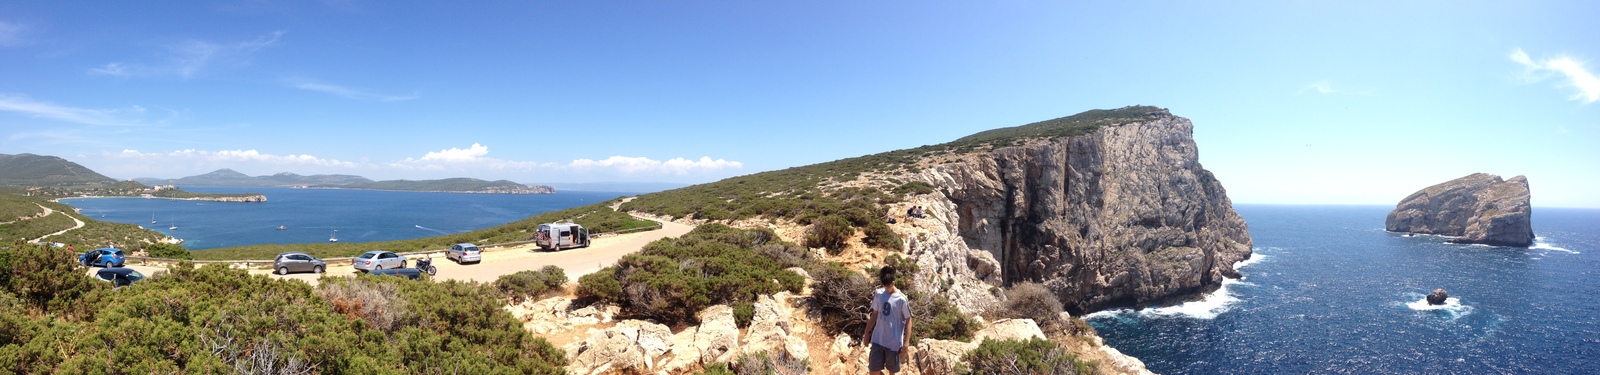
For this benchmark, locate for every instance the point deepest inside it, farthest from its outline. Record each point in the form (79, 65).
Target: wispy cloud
(11, 34)
(642, 165)
(1326, 87)
(1575, 73)
(232, 156)
(349, 92)
(86, 116)
(189, 58)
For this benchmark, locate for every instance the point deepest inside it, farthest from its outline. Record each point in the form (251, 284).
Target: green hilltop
(40, 170)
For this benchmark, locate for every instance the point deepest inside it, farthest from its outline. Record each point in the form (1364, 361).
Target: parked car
(409, 273)
(103, 257)
(464, 252)
(378, 260)
(118, 277)
(295, 261)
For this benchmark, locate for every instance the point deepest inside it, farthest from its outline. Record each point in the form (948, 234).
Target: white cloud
(32, 108)
(233, 156)
(1321, 87)
(349, 92)
(1577, 76)
(643, 165)
(188, 58)
(476, 152)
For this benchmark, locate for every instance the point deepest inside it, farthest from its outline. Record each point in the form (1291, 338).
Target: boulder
(1438, 297)
(939, 357)
(717, 339)
(770, 329)
(1478, 209)
(1009, 329)
(632, 345)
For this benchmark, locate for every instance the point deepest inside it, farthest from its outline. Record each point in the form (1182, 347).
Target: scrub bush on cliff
(168, 251)
(830, 232)
(527, 285)
(1033, 357)
(672, 279)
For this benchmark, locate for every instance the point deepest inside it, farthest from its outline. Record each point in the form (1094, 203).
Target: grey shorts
(880, 357)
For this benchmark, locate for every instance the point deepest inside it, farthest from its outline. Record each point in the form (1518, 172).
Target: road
(602, 252)
(48, 212)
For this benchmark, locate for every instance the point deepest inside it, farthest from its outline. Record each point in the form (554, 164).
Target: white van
(557, 236)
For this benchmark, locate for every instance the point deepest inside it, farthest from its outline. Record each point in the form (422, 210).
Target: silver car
(464, 252)
(295, 261)
(378, 260)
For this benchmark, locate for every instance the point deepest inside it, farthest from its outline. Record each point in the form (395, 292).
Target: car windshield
(135, 276)
(368, 255)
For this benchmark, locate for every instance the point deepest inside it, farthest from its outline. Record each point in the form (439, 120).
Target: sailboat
(174, 224)
(334, 237)
(152, 218)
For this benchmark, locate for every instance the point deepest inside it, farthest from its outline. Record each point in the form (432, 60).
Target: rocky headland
(1480, 208)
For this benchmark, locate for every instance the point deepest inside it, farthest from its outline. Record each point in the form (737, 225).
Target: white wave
(1208, 307)
(1255, 257)
(1451, 306)
(1539, 244)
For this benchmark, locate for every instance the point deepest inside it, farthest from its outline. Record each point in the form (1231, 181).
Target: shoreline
(254, 198)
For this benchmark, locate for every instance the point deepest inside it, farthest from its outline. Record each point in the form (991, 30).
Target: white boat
(174, 224)
(334, 237)
(152, 218)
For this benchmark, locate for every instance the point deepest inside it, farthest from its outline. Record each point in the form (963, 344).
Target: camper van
(557, 236)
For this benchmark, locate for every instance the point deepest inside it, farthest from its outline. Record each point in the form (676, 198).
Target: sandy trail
(48, 212)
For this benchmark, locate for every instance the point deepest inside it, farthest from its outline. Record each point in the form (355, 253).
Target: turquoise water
(312, 215)
(1329, 291)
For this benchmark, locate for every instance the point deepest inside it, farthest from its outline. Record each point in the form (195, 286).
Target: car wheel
(316, 269)
(283, 270)
(377, 267)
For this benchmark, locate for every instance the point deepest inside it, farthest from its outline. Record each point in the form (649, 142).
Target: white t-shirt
(892, 312)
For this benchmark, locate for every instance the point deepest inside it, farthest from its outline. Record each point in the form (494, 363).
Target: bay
(312, 215)
(1329, 291)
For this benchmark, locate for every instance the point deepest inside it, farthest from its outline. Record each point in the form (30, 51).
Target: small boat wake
(432, 230)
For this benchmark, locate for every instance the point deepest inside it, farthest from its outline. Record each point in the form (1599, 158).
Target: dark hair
(886, 275)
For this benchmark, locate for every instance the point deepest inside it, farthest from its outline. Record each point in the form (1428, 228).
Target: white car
(463, 253)
(378, 260)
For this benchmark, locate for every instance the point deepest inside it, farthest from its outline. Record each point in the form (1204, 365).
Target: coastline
(254, 198)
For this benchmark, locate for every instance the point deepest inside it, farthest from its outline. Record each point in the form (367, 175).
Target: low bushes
(842, 296)
(830, 232)
(168, 251)
(1033, 301)
(1033, 357)
(528, 285)
(673, 279)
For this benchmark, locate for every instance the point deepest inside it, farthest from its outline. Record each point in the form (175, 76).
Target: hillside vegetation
(40, 170)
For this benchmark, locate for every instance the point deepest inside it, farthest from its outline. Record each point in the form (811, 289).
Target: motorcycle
(426, 265)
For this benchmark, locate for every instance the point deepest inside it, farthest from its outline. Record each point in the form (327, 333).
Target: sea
(315, 215)
(1328, 291)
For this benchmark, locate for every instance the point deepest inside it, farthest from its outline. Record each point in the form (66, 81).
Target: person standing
(888, 327)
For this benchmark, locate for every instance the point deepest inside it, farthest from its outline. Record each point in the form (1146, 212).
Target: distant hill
(40, 170)
(620, 187)
(229, 177)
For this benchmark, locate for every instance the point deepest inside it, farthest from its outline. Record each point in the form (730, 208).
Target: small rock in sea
(1438, 297)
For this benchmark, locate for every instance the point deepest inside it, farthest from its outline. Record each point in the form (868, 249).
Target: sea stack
(1438, 297)
(1477, 209)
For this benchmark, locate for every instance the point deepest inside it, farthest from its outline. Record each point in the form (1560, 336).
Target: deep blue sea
(1329, 291)
(312, 215)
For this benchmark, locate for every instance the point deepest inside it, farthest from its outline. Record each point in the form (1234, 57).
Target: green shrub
(168, 251)
(47, 278)
(673, 279)
(1033, 357)
(914, 188)
(530, 285)
(602, 285)
(716, 368)
(743, 312)
(935, 317)
(830, 232)
(880, 236)
(759, 363)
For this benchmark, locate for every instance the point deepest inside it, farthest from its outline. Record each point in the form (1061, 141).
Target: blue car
(102, 257)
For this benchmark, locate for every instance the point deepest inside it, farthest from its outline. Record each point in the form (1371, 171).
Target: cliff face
(1479, 208)
(1124, 215)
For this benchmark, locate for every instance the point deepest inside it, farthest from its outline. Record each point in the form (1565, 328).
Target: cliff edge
(1477, 209)
(1121, 215)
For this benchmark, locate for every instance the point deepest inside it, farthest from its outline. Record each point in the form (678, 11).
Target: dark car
(119, 277)
(409, 273)
(102, 257)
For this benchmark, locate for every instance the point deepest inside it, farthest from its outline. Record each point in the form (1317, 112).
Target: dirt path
(497, 262)
(48, 212)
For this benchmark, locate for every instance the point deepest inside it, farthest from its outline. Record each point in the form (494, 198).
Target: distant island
(229, 177)
(54, 177)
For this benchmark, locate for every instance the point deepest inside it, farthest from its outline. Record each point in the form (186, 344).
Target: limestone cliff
(1122, 215)
(1479, 208)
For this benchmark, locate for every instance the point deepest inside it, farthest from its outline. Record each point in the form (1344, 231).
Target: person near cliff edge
(888, 326)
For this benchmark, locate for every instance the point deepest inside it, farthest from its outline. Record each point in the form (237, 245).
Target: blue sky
(1293, 102)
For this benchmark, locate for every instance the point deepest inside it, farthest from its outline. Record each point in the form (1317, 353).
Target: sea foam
(1452, 307)
(1539, 244)
(1208, 307)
